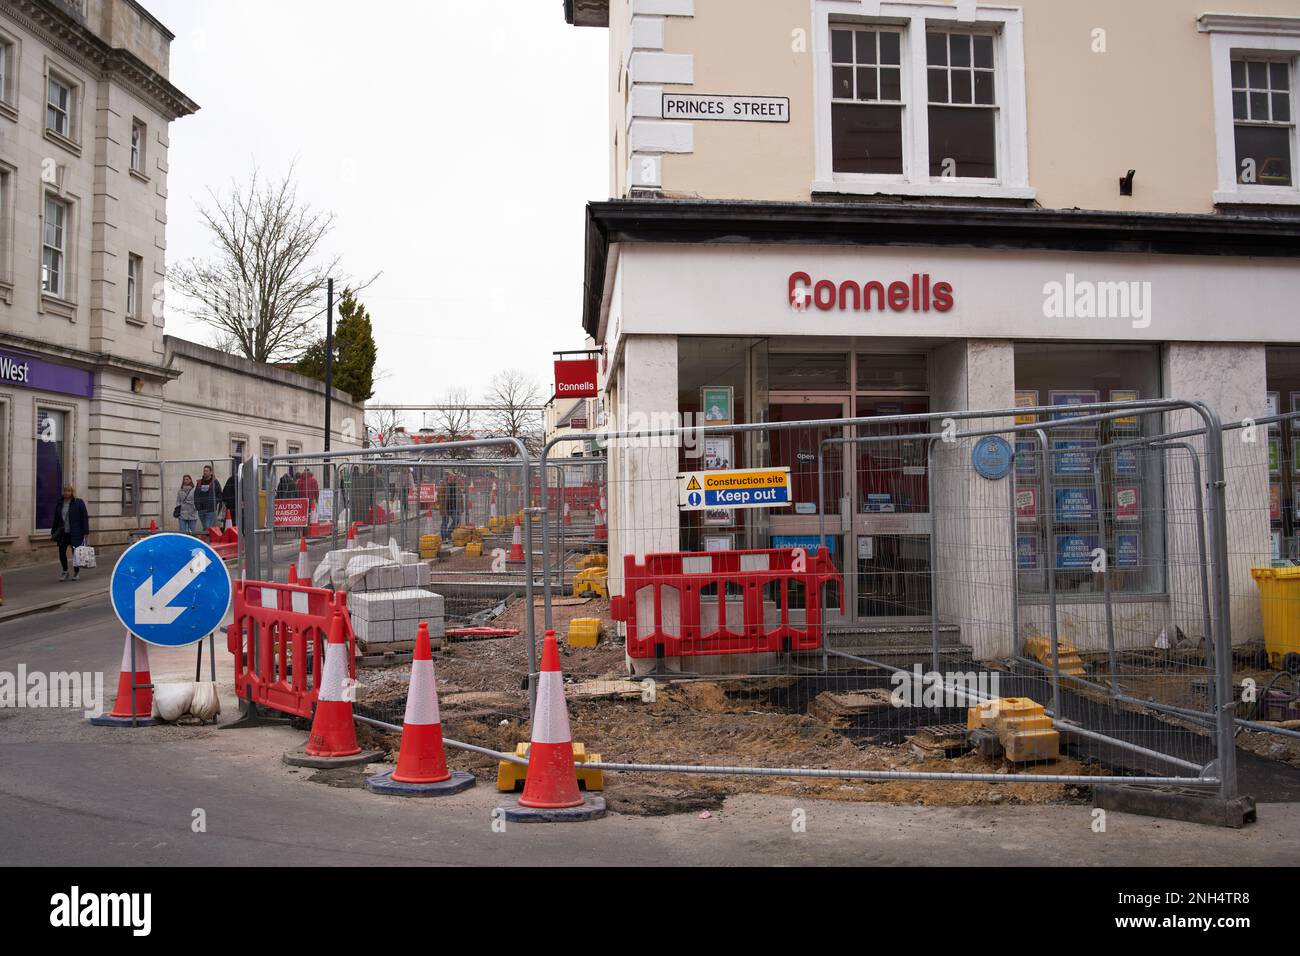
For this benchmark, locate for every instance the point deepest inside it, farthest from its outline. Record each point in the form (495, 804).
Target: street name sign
(170, 590)
(741, 488)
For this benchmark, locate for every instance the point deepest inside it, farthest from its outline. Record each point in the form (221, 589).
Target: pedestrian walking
(207, 497)
(450, 507)
(70, 529)
(228, 502)
(186, 512)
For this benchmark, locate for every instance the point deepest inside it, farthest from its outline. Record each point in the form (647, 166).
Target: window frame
(48, 199)
(1006, 25)
(10, 56)
(901, 103)
(138, 151)
(134, 274)
(70, 139)
(1224, 47)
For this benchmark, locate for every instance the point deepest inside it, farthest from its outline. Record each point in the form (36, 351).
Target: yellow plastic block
(511, 776)
(430, 545)
(584, 631)
(592, 561)
(1015, 725)
(592, 581)
(992, 713)
(1067, 655)
(474, 549)
(459, 536)
(1028, 745)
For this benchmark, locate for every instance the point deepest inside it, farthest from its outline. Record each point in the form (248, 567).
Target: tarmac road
(73, 794)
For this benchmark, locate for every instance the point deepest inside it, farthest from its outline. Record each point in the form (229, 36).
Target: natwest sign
(576, 378)
(918, 294)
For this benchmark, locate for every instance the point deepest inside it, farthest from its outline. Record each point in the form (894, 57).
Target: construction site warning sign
(291, 513)
(749, 488)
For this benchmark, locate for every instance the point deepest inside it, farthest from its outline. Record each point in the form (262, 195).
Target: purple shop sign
(29, 372)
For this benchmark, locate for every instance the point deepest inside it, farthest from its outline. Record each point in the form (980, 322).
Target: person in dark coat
(207, 497)
(71, 528)
(228, 499)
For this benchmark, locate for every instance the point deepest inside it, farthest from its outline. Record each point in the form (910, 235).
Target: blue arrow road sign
(170, 590)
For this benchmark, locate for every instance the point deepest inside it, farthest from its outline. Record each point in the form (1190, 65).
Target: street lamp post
(329, 364)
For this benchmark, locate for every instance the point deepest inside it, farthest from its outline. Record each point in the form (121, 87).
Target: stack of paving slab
(339, 568)
(387, 605)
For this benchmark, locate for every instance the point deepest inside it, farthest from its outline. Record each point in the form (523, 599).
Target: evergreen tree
(354, 351)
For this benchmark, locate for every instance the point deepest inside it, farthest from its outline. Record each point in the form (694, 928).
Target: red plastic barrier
(270, 643)
(669, 619)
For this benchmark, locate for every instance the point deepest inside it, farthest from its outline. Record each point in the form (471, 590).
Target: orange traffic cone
(352, 536)
(304, 569)
(516, 555)
(421, 762)
(600, 532)
(567, 519)
(120, 716)
(551, 787)
(333, 740)
(153, 525)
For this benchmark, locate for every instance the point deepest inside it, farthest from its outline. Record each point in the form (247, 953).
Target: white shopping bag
(83, 556)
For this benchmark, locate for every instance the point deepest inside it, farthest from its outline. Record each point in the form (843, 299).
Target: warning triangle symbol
(694, 484)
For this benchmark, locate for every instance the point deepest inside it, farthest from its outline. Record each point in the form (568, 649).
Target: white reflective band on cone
(551, 724)
(336, 670)
(421, 700)
(141, 654)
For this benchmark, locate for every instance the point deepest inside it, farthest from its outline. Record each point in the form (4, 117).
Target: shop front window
(721, 383)
(1127, 519)
(51, 463)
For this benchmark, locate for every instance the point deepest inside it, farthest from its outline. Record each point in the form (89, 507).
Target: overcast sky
(456, 149)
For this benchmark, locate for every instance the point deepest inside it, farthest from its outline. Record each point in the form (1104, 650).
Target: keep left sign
(170, 590)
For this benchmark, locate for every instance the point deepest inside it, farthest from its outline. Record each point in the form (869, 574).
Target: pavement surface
(73, 794)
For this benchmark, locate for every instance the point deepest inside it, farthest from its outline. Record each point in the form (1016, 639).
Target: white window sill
(9, 110)
(138, 174)
(1263, 196)
(70, 145)
(58, 306)
(940, 190)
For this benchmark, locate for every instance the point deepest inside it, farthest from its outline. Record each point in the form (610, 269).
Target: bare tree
(516, 399)
(453, 421)
(262, 291)
(382, 428)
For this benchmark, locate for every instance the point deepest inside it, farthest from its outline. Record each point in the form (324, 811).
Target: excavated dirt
(745, 723)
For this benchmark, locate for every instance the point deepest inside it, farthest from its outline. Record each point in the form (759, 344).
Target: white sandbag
(171, 701)
(206, 704)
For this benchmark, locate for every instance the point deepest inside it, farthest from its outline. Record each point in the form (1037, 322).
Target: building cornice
(892, 224)
(90, 361)
(62, 31)
(1246, 23)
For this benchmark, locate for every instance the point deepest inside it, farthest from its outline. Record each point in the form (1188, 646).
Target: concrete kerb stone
(385, 784)
(591, 808)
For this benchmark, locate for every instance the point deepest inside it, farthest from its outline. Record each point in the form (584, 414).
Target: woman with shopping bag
(71, 528)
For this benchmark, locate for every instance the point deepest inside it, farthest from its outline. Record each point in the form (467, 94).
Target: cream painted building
(825, 209)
